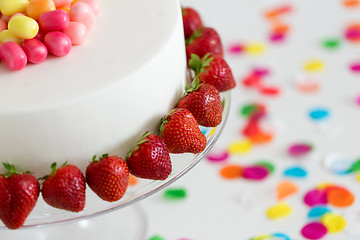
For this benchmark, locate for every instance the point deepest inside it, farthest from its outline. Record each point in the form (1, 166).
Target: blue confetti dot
(319, 114)
(318, 212)
(281, 236)
(297, 172)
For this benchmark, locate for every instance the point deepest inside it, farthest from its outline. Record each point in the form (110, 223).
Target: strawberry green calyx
(198, 65)
(136, 147)
(163, 121)
(53, 167)
(11, 169)
(195, 84)
(100, 158)
(194, 36)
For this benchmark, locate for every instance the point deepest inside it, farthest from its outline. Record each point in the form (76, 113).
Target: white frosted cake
(102, 96)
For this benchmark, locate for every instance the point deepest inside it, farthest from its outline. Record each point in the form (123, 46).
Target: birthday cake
(102, 96)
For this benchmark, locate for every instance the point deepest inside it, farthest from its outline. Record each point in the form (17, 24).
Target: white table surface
(212, 209)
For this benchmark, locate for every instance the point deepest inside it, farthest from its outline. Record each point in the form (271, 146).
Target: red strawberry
(149, 158)
(64, 188)
(213, 70)
(18, 195)
(181, 132)
(191, 21)
(204, 102)
(108, 177)
(202, 41)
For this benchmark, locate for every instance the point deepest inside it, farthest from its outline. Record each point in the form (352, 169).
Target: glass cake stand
(119, 220)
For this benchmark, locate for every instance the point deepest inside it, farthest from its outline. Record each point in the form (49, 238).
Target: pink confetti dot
(299, 149)
(277, 37)
(358, 100)
(261, 71)
(355, 67)
(236, 48)
(217, 156)
(315, 197)
(255, 172)
(314, 230)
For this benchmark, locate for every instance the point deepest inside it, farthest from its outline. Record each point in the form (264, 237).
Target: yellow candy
(7, 36)
(10, 7)
(23, 27)
(238, 147)
(314, 66)
(37, 7)
(278, 211)
(255, 48)
(333, 222)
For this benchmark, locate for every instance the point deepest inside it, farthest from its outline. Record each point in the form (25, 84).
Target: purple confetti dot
(255, 172)
(315, 197)
(260, 71)
(314, 230)
(299, 149)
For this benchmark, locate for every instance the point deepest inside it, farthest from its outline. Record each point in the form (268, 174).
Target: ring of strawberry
(149, 158)
(202, 41)
(213, 70)
(18, 196)
(181, 133)
(191, 21)
(65, 188)
(108, 177)
(204, 102)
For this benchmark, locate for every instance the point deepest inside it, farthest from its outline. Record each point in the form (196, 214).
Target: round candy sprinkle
(285, 189)
(297, 172)
(231, 171)
(318, 211)
(255, 172)
(316, 197)
(318, 114)
(331, 43)
(280, 210)
(270, 167)
(175, 193)
(339, 196)
(351, 3)
(333, 222)
(261, 71)
(281, 236)
(355, 167)
(358, 100)
(276, 37)
(263, 237)
(355, 67)
(236, 48)
(299, 149)
(249, 109)
(314, 66)
(240, 147)
(314, 230)
(255, 48)
(358, 177)
(217, 156)
(156, 237)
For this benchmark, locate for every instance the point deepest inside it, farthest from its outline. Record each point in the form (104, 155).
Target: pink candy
(83, 13)
(94, 4)
(77, 32)
(13, 55)
(58, 43)
(56, 20)
(35, 50)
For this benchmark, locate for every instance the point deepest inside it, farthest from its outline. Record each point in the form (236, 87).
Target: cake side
(113, 111)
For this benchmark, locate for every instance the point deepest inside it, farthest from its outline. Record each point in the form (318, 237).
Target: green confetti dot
(249, 109)
(266, 164)
(356, 166)
(175, 193)
(156, 237)
(331, 43)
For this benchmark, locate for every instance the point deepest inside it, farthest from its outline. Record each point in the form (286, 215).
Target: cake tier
(102, 96)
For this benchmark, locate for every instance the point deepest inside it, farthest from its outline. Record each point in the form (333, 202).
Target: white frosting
(102, 96)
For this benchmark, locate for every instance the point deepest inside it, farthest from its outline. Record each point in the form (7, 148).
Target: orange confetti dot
(133, 180)
(231, 171)
(277, 11)
(261, 138)
(309, 87)
(339, 196)
(285, 189)
(351, 3)
(279, 27)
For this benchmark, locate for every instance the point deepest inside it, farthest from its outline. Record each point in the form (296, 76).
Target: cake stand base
(127, 223)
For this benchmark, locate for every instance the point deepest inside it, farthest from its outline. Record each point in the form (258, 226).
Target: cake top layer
(126, 36)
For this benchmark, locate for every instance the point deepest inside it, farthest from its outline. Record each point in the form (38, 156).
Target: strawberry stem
(136, 147)
(11, 169)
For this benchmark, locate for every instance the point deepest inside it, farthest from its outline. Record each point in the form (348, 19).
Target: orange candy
(285, 189)
(36, 7)
(339, 196)
(231, 171)
(260, 138)
(351, 3)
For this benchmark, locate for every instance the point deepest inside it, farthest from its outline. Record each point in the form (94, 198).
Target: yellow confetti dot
(255, 48)
(280, 210)
(263, 237)
(358, 177)
(324, 185)
(314, 66)
(239, 147)
(333, 222)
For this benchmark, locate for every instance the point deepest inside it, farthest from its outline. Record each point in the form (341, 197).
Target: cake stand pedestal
(124, 219)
